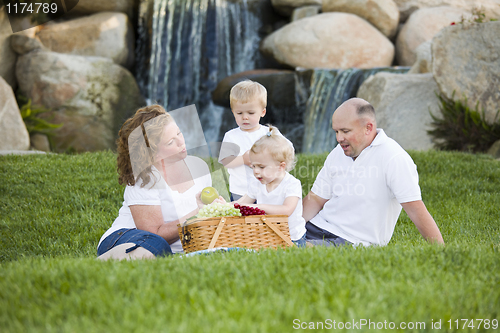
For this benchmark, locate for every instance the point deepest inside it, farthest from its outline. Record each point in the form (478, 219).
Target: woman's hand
(199, 203)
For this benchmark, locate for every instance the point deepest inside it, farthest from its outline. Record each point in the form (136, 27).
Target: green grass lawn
(54, 209)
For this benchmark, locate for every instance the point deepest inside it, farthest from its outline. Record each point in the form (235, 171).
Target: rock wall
(466, 65)
(13, 133)
(90, 96)
(286, 7)
(105, 34)
(76, 67)
(7, 55)
(403, 103)
(383, 14)
(79, 66)
(406, 7)
(86, 7)
(308, 43)
(422, 25)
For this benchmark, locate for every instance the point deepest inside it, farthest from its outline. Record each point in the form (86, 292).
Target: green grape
(218, 209)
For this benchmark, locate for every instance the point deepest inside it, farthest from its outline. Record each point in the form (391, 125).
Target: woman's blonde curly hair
(137, 144)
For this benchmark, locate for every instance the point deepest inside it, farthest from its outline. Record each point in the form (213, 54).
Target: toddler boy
(248, 101)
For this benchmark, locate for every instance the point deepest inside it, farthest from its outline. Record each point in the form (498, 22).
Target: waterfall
(185, 47)
(193, 44)
(330, 88)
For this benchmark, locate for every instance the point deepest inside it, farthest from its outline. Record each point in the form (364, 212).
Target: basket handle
(277, 231)
(217, 233)
(186, 236)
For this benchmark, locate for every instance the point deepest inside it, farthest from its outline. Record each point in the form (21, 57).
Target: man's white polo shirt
(365, 195)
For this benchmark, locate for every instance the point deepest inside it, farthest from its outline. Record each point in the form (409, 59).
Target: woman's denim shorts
(151, 242)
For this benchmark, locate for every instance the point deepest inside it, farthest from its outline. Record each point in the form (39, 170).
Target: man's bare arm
(423, 220)
(311, 205)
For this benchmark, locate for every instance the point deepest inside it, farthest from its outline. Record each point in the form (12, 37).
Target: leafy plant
(460, 128)
(35, 124)
(478, 16)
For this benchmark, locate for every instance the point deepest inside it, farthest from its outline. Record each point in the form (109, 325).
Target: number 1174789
(473, 324)
(31, 8)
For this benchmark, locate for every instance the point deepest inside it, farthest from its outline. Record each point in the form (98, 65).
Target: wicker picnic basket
(253, 232)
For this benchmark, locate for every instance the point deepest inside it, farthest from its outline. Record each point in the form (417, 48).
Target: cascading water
(193, 45)
(185, 47)
(330, 88)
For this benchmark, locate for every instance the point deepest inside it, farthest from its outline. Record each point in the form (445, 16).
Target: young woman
(163, 186)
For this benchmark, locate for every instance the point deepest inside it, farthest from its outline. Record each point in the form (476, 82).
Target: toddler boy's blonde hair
(247, 91)
(278, 147)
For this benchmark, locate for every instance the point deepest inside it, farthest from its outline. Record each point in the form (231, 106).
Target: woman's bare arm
(150, 218)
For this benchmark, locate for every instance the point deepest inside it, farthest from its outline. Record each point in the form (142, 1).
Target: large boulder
(13, 132)
(495, 150)
(421, 27)
(402, 104)
(90, 96)
(490, 7)
(329, 40)
(423, 64)
(466, 62)
(286, 7)
(7, 55)
(23, 43)
(306, 11)
(86, 7)
(40, 142)
(383, 14)
(108, 35)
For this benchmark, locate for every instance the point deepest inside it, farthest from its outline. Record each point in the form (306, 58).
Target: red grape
(247, 211)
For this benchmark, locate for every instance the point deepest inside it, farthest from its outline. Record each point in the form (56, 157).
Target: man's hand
(423, 220)
(311, 205)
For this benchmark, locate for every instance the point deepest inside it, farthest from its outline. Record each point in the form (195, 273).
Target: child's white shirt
(238, 176)
(288, 187)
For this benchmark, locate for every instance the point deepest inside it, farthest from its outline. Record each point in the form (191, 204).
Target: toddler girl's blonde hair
(280, 149)
(246, 91)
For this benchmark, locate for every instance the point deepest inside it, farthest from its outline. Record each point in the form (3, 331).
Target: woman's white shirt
(174, 205)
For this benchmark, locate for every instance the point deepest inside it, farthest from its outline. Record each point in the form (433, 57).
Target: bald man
(366, 180)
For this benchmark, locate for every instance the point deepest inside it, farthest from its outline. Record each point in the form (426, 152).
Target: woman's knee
(119, 252)
(150, 242)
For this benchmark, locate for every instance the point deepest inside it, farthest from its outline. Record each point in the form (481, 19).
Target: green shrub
(462, 129)
(478, 16)
(35, 124)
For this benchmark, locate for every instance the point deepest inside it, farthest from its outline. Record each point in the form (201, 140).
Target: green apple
(208, 195)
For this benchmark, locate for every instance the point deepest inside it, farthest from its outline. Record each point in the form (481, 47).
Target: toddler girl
(275, 190)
